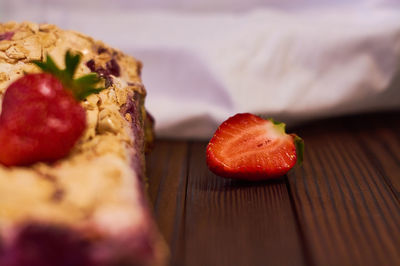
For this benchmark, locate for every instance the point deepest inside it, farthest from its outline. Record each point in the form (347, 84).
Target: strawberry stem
(81, 87)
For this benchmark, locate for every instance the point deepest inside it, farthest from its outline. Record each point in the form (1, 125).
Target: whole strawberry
(41, 118)
(248, 147)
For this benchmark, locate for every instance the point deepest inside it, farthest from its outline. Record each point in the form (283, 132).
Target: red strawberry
(248, 147)
(41, 116)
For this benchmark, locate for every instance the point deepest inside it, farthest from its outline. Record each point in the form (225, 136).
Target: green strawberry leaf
(88, 79)
(81, 87)
(281, 127)
(84, 85)
(299, 143)
(71, 63)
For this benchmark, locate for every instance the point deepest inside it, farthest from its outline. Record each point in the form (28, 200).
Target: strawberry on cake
(72, 137)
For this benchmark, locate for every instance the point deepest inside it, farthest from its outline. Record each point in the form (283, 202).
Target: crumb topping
(96, 176)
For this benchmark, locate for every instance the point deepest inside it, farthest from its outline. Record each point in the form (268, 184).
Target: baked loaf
(90, 207)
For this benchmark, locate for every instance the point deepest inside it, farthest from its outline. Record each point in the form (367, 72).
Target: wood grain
(379, 137)
(167, 171)
(342, 207)
(228, 222)
(347, 212)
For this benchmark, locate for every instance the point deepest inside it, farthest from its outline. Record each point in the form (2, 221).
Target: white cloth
(202, 66)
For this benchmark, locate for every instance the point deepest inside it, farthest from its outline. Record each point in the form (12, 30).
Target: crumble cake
(89, 208)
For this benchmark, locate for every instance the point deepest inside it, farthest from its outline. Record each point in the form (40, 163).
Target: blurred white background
(207, 60)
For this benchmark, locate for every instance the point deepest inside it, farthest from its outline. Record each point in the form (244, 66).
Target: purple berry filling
(38, 244)
(101, 50)
(132, 108)
(44, 245)
(113, 67)
(91, 65)
(1, 247)
(7, 35)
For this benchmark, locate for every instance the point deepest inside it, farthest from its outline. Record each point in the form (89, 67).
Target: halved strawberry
(248, 147)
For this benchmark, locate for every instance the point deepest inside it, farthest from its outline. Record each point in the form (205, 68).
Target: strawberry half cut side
(249, 147)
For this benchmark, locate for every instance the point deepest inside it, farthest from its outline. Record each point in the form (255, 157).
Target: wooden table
(342, 207)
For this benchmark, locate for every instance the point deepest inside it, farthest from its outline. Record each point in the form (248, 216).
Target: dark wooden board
(230, 222)
(167, 171)
(342, 207)
(348, 213)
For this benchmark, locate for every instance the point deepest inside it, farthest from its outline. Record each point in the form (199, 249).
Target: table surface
(341, 207)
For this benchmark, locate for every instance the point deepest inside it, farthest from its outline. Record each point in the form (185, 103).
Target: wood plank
(383, 150)
(347, 212)
(379, 137)
(167, 171)
(229, 222)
